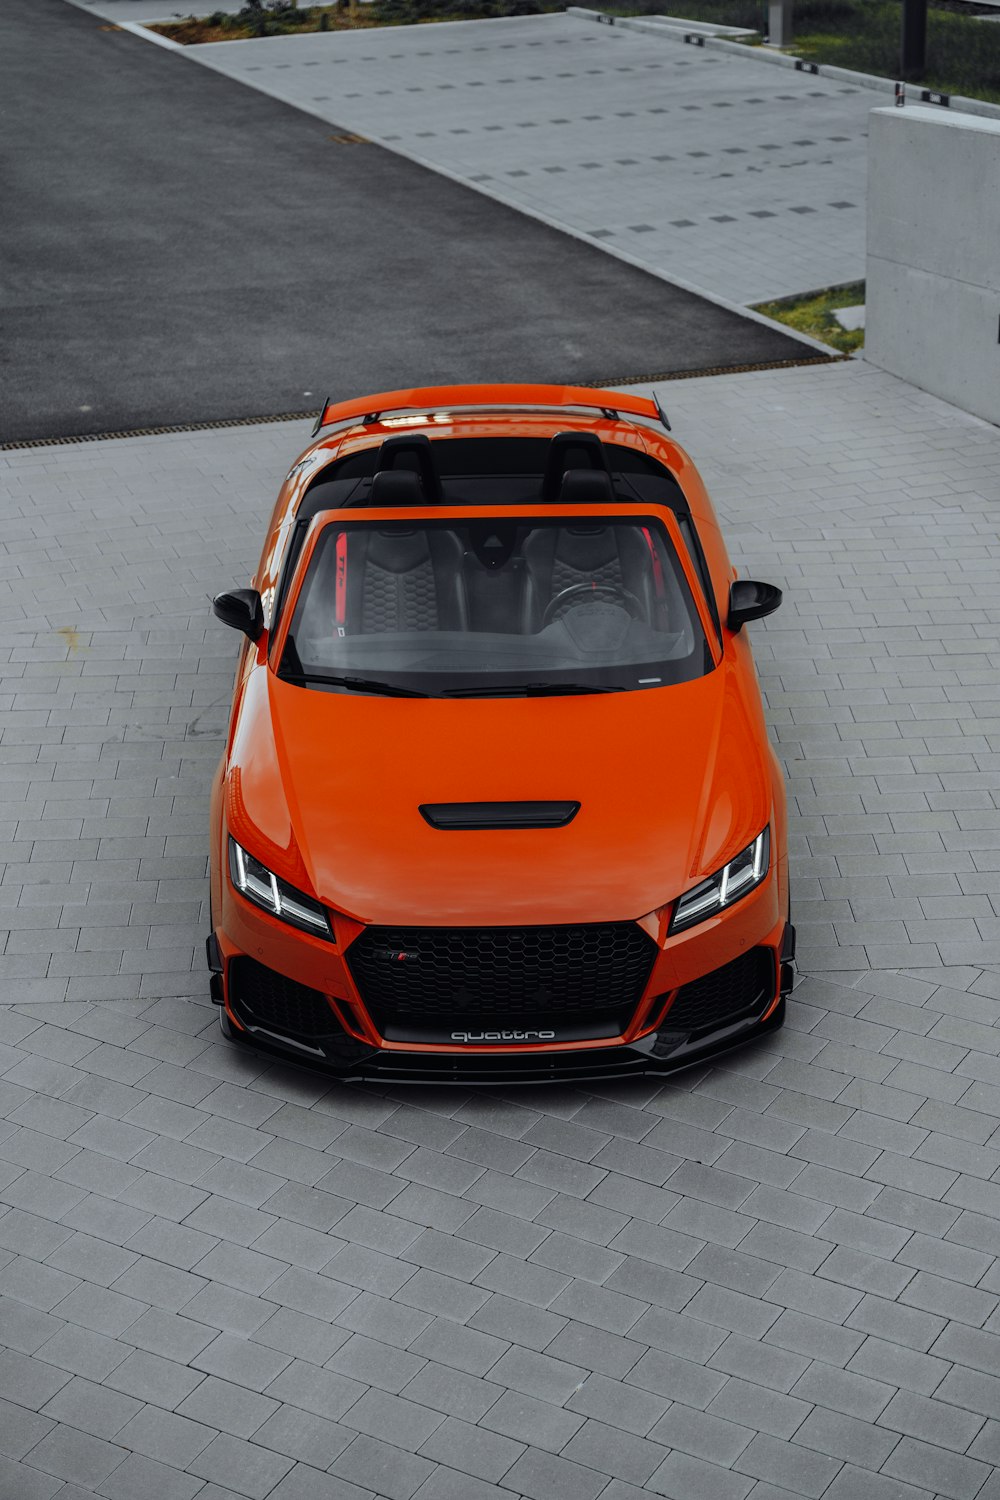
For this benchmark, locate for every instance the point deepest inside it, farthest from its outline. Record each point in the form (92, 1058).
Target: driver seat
(584, 552)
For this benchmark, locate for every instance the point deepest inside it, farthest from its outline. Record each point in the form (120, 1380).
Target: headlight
(256, 882)
(727, 885)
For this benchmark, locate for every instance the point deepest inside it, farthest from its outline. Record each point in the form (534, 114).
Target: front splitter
(658, 1053)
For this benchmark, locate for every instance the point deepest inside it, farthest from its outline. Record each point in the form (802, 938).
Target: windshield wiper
(530, 690)
(354, 684)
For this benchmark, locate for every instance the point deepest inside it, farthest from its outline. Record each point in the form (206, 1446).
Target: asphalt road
(180, 248)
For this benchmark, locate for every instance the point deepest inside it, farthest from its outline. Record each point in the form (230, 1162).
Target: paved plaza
(770, 1278)
(773, 1278)
(737, 177)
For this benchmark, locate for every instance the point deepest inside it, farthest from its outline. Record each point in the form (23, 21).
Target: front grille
(724, 995)
(261, 996)
(434, 979)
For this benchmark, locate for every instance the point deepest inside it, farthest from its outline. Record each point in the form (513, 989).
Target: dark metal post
(913, 40)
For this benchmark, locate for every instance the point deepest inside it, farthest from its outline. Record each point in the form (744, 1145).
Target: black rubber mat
(181, 248)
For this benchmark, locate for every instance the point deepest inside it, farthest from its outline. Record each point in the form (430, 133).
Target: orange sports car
(497, 801)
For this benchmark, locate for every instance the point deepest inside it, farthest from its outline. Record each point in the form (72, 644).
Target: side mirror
(242, 609)
(749, 600)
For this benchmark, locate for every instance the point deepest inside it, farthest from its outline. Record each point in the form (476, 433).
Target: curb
(19, 445)
(698, 35)
(137, 28)
(198, 54)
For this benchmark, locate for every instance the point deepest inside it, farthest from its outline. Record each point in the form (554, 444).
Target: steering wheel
(596, 593)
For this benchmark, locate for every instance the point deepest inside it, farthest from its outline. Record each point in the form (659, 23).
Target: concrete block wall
(933, 262)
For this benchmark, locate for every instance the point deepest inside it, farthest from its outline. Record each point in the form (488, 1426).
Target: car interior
(411, 579)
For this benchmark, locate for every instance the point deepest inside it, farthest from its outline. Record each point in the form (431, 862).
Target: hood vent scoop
(479, 815)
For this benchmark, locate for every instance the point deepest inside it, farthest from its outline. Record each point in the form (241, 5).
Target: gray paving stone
(389, 1322)
(226, 1309)
(73, 1455)
(462, 1348)
(538, 1423)
(626, 1406)
(88, 1406)
(249, 1364)
(683, 1477)
(680, 1380)
(83, 1352)
(144, 1476)
(293, 1333)
(450, 1484)
(788, 1465)
(537, 1375)
(732, 1310)
(866, 1273)
(543, 1476)
(768, 1366)
(949, 1299)
(713, 1438)
(948, 1473)
(896, 1322)
(486, 1455)
(517, 1322)
(895, 1365)
(398, 1475)
(608, 1449)
(596, 1349)
(244, 1467)
(931, 1421)
(25, 1328)
(151, 1378)
(813, 1295)
(498, 1231)
(303, 1436)
(166, 1437)
(28, 1382)
(21, 1429)
(322, 1392)
(785, 1247)
(374, 1363)
(839, 1390)
(758, 1409)
(21, 1483)
(451, 1392)
(844, 1437)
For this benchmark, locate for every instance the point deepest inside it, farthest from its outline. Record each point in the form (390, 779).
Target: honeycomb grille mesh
(273, 1000)
(724, 994)
(499, 974)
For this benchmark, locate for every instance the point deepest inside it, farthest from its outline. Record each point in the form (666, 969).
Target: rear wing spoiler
(371, 409)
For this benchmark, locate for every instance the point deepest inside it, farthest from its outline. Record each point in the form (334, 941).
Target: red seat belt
(340, 585)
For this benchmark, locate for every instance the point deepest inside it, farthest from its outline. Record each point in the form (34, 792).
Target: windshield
(505, 606)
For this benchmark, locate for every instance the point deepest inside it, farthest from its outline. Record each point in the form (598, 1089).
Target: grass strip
(812, 313)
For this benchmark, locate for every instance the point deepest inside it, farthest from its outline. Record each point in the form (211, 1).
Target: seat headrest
(416, 450)
(586, 487)
(569, 450)
(397, 487)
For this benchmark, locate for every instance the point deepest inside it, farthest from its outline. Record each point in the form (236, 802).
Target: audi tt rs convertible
(497, 801)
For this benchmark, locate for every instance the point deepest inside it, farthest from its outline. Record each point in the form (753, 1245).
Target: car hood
(325, 788)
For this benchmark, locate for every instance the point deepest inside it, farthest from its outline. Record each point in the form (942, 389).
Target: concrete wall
(933, 278)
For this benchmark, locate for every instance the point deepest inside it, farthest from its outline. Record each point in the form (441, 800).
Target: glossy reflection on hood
(672, 782)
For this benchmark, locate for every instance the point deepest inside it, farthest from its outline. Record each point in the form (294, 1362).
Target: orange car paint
(324, 787)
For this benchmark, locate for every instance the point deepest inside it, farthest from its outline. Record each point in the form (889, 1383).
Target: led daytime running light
(261, 886)
(728, 885)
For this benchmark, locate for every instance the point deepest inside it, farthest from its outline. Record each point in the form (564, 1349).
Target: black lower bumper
(474, 1066)
(284, 1017)
(660, 1052)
